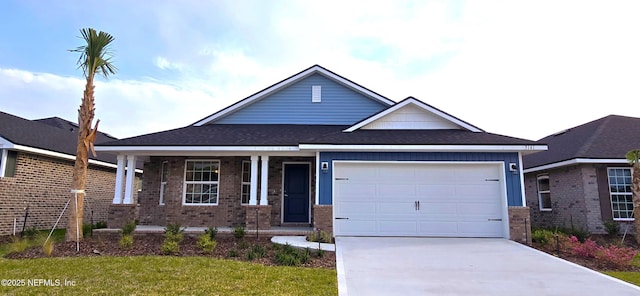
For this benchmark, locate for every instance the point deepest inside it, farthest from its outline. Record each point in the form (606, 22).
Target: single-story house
(584, 179)
(320, 150)
(36, 166)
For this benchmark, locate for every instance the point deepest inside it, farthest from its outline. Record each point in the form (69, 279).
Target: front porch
(254, 191)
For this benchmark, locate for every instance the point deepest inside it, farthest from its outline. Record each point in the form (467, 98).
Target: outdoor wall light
(324, 166)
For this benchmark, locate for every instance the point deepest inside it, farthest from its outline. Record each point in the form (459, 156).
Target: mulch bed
(591, 263)
(107, 244)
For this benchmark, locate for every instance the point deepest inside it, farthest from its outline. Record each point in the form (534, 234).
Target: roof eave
(575, 161)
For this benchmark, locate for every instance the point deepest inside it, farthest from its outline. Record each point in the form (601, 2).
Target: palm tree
(633, 157)
(95, 58)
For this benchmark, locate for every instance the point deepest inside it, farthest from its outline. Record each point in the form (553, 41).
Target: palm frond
(95, 55)
(633, 156)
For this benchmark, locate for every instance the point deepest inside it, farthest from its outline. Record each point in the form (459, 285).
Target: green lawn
(627, 276)
(166, 275)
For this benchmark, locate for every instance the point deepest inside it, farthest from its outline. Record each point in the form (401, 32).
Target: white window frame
(611, 194)
(3, 161)
(217, 183)
(164, 174)
(244, 183)
(541, 192)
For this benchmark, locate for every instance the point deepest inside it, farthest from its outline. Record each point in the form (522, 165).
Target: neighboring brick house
(584, 179)
(317, 149)
(36, 163)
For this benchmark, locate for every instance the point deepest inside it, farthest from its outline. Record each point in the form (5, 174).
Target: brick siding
(520, 225)
(44, 183)
(323, 218)
(229, 212)
(576, 199)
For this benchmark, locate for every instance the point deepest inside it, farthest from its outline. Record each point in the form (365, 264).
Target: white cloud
(125, 107)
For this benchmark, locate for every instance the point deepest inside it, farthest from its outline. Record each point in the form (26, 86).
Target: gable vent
(316, 93)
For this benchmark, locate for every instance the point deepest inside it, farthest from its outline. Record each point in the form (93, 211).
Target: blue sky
(520, 68)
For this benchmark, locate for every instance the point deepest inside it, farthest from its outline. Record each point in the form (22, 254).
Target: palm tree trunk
(635, 189)
(85, 118)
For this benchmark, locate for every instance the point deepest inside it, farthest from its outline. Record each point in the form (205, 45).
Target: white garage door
(419, 199)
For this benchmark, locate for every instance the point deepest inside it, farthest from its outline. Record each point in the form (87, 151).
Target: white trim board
(276, 87)
(419, 104)
(426, 148)
(575, 161)
(58, 155)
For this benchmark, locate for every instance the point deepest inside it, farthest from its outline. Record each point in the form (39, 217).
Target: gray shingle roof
(610, 137)
(50, 134)
(293, 135)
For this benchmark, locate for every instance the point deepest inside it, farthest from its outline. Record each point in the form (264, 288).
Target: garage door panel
(438, 208)
(399, 208)
(490, 229)
(454, 199)
(396, 189)
(441, 228)
(398, 227)
(479, 209)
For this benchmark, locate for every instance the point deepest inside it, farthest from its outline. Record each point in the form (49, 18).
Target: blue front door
(296, 192)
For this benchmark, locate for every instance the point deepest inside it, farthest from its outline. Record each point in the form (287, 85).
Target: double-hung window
(621, 194)
(8, 159)
(246, 182)
(164, 173)
(544, 193)
(201, 182)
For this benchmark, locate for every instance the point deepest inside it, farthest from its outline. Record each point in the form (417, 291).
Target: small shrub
(290, 256)
(259, 251)
(542, 236)
(243, 245)
(612, 227)
(18, 245)
(587, 249)
(239, 232)
(47, 248)
(616, 256)
(287, 259)
(87, 230)
(206, 244)
(100, 225)
(233, 253)
(126, 241)
(580, 234)
(170, 247)
(320, 253)
(212, 232)
(323, 237)
(30, 232)
(128, 228)
(173, 232)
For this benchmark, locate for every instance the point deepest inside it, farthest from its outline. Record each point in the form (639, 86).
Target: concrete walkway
(462, 266)
(301, 242)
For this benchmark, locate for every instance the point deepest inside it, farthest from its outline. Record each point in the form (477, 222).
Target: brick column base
(258, 217)
(323, 218)
(520, 225)
(121, 214)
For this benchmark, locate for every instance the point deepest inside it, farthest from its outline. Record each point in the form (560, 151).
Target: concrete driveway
(462, 266)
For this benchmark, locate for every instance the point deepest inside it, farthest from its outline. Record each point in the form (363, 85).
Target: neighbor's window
(620, 192)
(544, 193)
(246, 182)
(9, 158)
(201, 182)
(164, 173)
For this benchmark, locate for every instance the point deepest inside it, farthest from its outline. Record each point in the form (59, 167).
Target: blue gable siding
(292, 105)
(514, 191)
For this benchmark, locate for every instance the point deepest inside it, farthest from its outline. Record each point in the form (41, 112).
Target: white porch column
(253, 192)
(117, 195)
(264, 180)
(130, 182)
